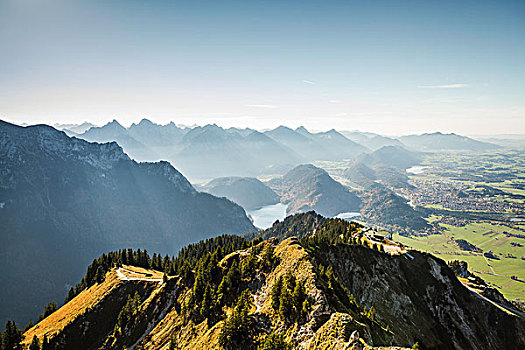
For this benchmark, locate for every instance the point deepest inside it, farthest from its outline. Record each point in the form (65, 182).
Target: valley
(458, 205)
(503, 267)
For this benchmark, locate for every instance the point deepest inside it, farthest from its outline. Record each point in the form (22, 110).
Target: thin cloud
(446, 86)
(309, 82)
(263, 106)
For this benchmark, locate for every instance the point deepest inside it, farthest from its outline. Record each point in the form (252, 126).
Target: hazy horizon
(386, 67)
(61, 126)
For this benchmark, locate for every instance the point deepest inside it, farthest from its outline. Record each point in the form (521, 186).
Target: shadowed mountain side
(248, 192)
(67, 200)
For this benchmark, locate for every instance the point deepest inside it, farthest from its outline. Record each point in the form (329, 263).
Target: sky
(391, 67)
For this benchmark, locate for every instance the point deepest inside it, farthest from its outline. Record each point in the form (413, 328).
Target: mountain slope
(371, 140)
(328, 290)
(67, 200)
(383, 207)
(160, 138)
(337, 146)
(306, 146)
(211, 151)
(114, 132)
(307, 187)
(386, 165)
(393, 156)
(248, 192)
(438, 141)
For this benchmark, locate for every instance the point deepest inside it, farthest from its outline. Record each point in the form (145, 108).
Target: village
(456, 196)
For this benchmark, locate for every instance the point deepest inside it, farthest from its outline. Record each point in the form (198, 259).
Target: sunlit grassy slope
(86, 301)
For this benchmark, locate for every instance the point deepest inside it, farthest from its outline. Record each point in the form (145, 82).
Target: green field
(487, 237)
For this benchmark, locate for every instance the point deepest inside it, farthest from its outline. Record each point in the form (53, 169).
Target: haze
(380, 66)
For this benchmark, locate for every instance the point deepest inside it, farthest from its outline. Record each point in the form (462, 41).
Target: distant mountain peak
(146, 122)
(303, 131)
(257, 135)
(283, 128)
(115, 125)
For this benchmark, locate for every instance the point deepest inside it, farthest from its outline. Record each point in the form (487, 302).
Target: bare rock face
(422, 300)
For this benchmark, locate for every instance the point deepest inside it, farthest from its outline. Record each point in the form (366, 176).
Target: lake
(347, 216)
(266, 216)
(418, 169)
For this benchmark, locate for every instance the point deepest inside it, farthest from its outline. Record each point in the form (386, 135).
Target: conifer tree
(274, 341)
(35, 344)
(268, 257)
(45, 343)
(207, 302)
(237, 331)
(12, 336)
(30, 324)
(275, 293)
(100, 275)
(285, 304)
(298, 297)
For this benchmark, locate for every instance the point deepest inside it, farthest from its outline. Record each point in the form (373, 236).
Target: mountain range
(438, 141)
(66, 201)
(206, 152)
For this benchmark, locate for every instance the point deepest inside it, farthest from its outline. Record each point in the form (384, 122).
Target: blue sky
(393, 67)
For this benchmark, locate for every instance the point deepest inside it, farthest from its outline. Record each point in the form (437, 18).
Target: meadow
(509, 251)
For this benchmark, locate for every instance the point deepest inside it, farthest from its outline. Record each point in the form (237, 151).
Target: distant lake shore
(418, 169)
(265, 217)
